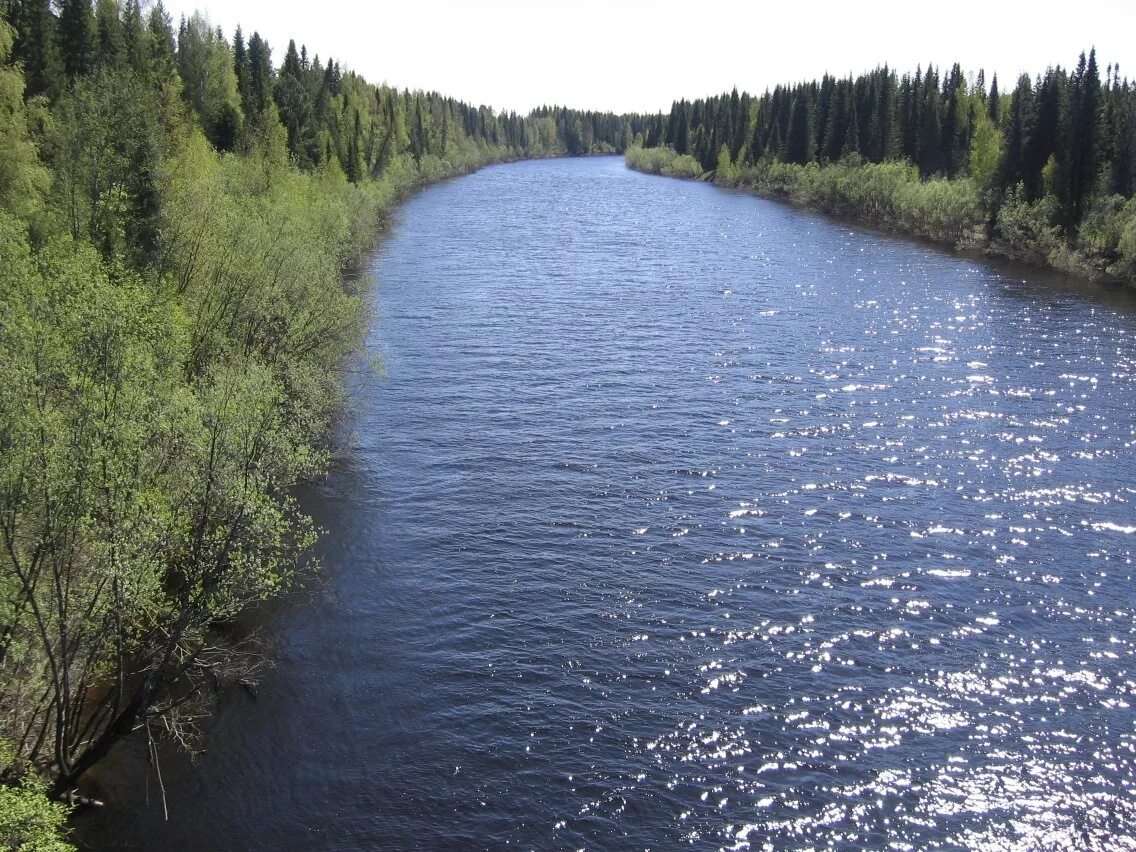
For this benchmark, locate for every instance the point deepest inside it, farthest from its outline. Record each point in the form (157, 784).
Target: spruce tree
(36, 47)
(109, 46)
(953, 122)
(260, 78)
(1018, 124)
(134, 37)
(798, 148)
(162, 48)
(76, 37)
(932, 159)
(241, 68)
(682, 137)
(296, 112)
(886, 112)
(1045, 124)
(741, 125)
(908, 131)
(851, 144)
(824, 110)
(1084, 137)
(757, 137)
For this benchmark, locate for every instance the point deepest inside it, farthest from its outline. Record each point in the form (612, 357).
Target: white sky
(640, 55)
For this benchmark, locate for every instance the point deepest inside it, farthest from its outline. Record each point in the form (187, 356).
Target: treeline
(176, 211)
(235, 92)
(1045, 171)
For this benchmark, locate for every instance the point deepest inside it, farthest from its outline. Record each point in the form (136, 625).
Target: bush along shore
(1045, 174)
(176, 214)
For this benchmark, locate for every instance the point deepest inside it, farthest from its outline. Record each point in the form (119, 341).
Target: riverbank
(957, 213)
(176, 321)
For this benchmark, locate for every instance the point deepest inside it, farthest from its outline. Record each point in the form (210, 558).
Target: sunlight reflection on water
(699, 520)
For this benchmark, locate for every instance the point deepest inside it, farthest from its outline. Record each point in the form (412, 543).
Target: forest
(177, 209)
(1044, 171)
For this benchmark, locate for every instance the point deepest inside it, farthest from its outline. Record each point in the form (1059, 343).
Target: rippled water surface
(685, 518)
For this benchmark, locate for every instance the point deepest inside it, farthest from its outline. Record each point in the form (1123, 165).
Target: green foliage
(663, 161)
(35, 45)
(174, 224)
(1106, 239)
(1052, 153)
(23, 180)
(209, 81)
(1030, 230)
(76, 37)
(29, 820)
(725, 173)
(986, 152)
(889, 195)
(173, 325)
(106, 145)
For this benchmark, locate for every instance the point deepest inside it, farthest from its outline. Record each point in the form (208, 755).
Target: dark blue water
(686, 519)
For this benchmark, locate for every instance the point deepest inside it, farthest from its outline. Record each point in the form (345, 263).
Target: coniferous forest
(177, 209)
(1043, 171)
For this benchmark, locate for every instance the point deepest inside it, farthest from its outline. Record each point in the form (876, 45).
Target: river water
(685, 519)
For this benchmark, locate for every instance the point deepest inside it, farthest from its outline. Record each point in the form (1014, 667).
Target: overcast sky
(628, 55)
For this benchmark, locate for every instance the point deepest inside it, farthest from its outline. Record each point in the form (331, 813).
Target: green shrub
(1028, 230)
(663, 161)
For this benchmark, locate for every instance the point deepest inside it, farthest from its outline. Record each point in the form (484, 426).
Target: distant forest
(1045, 170)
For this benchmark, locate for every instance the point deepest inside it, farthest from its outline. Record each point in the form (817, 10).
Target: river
(685, 519)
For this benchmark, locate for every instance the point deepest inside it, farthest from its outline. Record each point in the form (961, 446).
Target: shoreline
(966, 228)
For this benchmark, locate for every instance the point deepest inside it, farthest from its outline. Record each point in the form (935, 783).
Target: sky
(636, 56)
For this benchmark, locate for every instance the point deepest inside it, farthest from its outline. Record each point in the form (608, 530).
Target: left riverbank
(176, 215)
